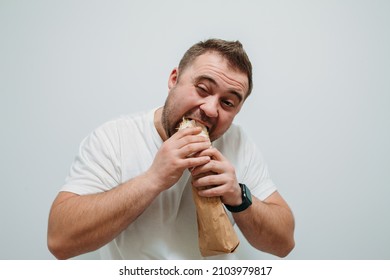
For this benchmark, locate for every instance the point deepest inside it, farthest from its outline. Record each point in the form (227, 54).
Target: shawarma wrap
(216, 234)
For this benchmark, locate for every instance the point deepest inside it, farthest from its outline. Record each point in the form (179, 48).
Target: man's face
(208, 91)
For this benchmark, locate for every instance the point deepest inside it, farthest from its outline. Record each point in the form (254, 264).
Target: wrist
(246, 200)
(233, 198)
(152, 182)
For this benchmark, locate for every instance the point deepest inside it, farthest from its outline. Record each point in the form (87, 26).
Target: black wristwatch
(246, 200)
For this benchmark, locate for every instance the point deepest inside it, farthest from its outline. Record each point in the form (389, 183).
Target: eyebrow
(211, 80)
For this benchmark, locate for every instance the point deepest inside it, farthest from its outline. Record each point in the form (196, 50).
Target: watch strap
(246, 200)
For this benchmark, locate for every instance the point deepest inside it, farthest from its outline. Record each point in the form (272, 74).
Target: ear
(173, 78)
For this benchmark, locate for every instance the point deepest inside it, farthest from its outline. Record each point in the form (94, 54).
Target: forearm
(81, 224)
(268, 227)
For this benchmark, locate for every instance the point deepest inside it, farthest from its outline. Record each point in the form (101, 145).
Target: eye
(202, 89)
(228, 103)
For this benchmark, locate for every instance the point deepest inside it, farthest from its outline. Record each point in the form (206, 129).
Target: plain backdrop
(319, 111)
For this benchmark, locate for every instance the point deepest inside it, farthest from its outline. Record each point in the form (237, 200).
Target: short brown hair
(233, 51)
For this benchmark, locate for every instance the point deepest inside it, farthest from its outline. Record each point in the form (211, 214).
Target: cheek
(187, 102)
(183, 95)
(180, 101)
(226, 119)
(222, 126)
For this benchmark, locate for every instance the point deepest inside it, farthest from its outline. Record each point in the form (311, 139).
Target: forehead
(214, 65)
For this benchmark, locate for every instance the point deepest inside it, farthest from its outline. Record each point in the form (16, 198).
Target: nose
(210, 107)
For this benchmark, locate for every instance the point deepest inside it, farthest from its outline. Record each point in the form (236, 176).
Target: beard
(171, 117)
(168, 122)
(171, 123)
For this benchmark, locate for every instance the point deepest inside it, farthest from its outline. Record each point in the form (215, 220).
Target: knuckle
(176, 163)
(188, 150)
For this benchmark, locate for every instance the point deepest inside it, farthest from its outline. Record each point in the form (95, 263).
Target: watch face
(246, 193)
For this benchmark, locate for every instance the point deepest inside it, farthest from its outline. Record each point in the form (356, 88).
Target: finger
(190, 139)
(208, 180)
(213, 167)
(213, 153)
(187, 131)
(190, 163)
(211, 192)
(190, 150)
(184, 132)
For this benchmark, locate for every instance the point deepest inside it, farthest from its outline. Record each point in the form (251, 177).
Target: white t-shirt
(124, 148)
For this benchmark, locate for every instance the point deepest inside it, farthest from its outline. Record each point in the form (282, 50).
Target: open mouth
(199, 122)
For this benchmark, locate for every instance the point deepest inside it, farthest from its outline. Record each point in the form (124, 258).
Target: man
(129, 189)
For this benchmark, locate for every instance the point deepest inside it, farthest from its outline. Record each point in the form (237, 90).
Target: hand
(217, 178)
(174, 156)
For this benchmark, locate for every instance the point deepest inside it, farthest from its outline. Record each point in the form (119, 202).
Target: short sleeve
(256, 176)
(96, 168)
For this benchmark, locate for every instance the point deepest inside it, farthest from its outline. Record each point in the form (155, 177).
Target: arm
(83, 223)
(267, 225)
(79, 224)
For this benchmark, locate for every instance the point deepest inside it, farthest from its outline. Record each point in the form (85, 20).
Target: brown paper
(216, 234)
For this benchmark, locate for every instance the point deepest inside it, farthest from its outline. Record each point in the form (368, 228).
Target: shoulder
(113, 133)
(124, 124)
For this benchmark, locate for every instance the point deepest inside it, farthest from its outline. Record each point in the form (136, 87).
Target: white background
(319, 110)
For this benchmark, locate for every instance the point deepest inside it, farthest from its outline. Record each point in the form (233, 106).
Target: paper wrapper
(216, 234)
